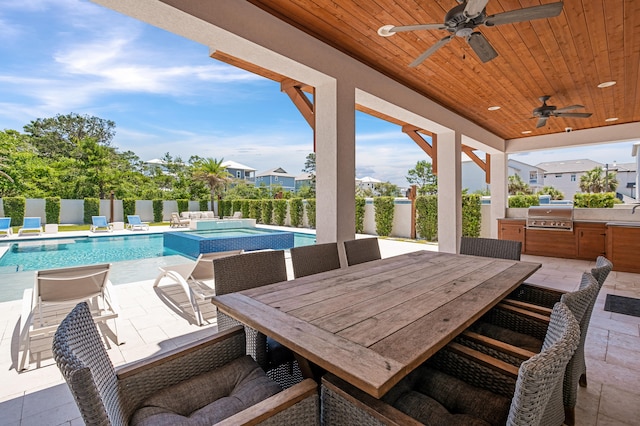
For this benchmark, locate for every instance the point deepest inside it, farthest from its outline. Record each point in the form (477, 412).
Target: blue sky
(166, 95)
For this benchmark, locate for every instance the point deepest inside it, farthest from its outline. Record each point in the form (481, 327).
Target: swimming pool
(63, 252)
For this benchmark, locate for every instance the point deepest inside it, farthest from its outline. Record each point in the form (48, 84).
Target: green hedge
(245, 208)
(157, 210)
(255, 210)
(203, 205)
(128, 208)
(91, 208)
(52, 209)
(14, 207)
(523, 201)
(183, 205)
(594, 200)
(311, 212)
(296, 211)
(267, 211)
(384, 209)
(236, 206)
(360, 205)
(280, 211)
(224, 208)
(471, 215)
(427, 217)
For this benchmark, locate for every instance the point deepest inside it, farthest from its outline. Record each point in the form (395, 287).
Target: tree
(595, 181)
(310, 167)
(213, 174)
(422, 176)
(387, 189)
(58, 136)
(517, 186)
(555, 194)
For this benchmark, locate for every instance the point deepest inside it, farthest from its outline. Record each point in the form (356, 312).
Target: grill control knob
(542, 223)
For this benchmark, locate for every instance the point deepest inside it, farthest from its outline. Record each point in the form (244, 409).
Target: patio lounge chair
(176, 221)
(209, 381)
(134, 223)
(195, 279)
(55, 293)
(30, 224)
(100, 223)
(5, 226)
(236, 215)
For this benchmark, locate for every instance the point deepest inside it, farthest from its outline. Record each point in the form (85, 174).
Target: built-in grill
(550, 217)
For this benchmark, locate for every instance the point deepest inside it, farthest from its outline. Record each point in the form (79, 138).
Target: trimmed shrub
(360, 205)
(224, 207)
(594, 200)
(296, 210)
(91, 208)
(280, 211)
(14, 207)
(522, 201)
(245, 208)
(471, 215)
(52, 209)
(128, 207)
(157, 210)
(427, 217)
(384, 209)
(267, 211)
(183, 205)
(255, 210)
(203, 205)
(236, 207)
(310, 209)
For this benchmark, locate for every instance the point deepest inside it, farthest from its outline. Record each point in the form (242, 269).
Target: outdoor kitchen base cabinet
(623, 248)
(549, 242)
(591, 239)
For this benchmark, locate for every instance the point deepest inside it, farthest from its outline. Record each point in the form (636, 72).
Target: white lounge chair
(5, 226)
(30, 224)
(135, 223)
(195, 279)
(176, 221)
(236, 215)
(100, 223)
(55, 293)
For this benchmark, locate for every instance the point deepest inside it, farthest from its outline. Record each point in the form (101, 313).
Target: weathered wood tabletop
(373, 323)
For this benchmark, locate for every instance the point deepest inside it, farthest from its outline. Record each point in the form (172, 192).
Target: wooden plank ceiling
(566, 57)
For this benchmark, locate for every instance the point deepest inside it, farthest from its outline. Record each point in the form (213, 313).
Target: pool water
(64, 252)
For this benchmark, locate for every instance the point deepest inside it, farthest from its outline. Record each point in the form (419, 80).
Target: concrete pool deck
(148, 325)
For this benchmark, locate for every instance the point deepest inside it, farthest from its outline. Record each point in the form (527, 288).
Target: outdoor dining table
(371, 324)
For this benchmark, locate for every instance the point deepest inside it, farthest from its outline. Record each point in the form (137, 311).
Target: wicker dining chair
(489, 247)
(313, 259)
(453, 388)
(205, 382)
(252, 270)
(361, 250)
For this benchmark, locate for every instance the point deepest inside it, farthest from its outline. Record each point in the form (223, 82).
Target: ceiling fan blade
(474, 8)
(417, 27)
(431, 50)
(572, 114)
(482, 47)
(569, 108)
(527, 14)
(541, 122)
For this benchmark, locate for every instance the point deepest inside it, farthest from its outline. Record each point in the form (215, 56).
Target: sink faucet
(633, 210)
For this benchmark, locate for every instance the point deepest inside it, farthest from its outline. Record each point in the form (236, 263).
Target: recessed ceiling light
(612, 119)
(493, 108)
(526, 132)
(606, 84)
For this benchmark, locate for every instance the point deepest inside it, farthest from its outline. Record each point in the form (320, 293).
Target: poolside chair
(176, 221)
(313, 259)
(100, 223)
(362, 250)
(209, 381)
(134, 223)
(55, 293)
(236, 215)
(30, 224)
(195, 279)
(490, 247)
(5, 226)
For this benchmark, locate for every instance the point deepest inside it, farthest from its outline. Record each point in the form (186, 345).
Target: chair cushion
(430, 412)
(209, 397)
(506, 335)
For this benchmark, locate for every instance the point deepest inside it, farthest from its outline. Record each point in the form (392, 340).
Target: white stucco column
(449, 191)
(335, 162)
(499, 190)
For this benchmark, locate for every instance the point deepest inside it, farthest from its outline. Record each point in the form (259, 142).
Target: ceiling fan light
(384, 31)
(606, 84)
(493, 108)
(611, 119)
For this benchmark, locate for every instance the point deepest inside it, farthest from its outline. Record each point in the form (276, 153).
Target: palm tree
(214, 174)
(594, 181)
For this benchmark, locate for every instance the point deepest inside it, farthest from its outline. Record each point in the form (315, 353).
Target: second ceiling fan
(462, 20)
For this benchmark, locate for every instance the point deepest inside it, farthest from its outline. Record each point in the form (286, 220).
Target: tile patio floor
(149, 325)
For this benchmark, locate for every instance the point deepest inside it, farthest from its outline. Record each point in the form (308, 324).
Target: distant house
(240, 171)
(305, 179)
(367, 182)
(276, 177)
(155, 164)
(565, 175)
(473, 177)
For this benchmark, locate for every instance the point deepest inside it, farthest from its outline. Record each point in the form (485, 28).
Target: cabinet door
(591, 240)
(511, 230)
(623, 246)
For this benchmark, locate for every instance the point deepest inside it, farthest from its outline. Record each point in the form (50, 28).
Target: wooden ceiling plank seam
(614, 24)
(631, 49)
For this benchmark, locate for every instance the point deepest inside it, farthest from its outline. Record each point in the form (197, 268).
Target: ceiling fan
(545, 111)
(462, 20)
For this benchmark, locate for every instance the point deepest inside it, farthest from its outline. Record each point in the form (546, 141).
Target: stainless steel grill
(550, 217)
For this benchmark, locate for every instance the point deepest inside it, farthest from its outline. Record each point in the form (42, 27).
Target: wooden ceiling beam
(430, 150)
(484, 165)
